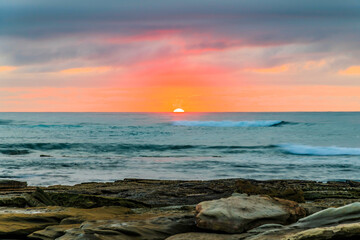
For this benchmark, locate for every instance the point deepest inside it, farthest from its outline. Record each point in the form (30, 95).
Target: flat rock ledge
(142, 209)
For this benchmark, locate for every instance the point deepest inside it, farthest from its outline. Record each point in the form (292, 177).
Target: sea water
(70, 148)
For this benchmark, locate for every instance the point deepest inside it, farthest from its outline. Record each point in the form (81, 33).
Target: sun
(179, 110)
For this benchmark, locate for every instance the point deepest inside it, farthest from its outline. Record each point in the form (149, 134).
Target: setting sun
(179, 110)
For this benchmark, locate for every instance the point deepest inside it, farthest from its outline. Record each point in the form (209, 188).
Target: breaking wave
(318, 151)
(258, 123)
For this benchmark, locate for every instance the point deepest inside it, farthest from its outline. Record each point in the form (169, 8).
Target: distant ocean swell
(318, 151)
(119, 148)
(258, 123)
(26, 148)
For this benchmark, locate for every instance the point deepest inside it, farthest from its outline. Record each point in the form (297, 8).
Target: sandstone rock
(342, 231)
(18, 223)
(331, 216)
(319, 226)
(206, 236)
(7, 184)
(159, 193)
(152, 229)
(279, 190)
(240, 213)
(91, 201)
(52, 232)
(13, 201)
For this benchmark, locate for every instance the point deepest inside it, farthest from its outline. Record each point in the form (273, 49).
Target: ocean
(70, 148)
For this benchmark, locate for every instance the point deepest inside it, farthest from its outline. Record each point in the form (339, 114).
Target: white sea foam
(259, 123)
(318, 151)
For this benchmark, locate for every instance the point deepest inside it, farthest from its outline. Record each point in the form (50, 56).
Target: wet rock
(277, 190)
(240, 213)
(13, 201)
(331, 216)
(18, 223)
(333, 223)
(206, 236)
(159, 193)
(152, 229)
(342, 231)
(91, 201)
(11, 184)
(51, 232)
(42, 197)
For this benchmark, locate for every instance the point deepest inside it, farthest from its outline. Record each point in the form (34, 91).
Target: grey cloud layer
(36, 18)
(30, 30)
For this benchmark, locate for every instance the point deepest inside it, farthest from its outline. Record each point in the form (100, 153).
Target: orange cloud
(277, 69)
(353, 70)
(309, 65)
(7, 68)
(86, 70)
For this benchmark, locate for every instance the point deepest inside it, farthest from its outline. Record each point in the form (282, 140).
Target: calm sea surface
(70, 148)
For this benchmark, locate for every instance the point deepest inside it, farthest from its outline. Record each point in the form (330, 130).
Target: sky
(202, 56)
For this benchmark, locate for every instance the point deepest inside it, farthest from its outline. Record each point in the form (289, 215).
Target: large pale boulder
(241, 212)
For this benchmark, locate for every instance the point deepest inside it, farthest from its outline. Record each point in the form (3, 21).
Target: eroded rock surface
(160, 209)
(333, 223)
(152, 229)
(241, 212)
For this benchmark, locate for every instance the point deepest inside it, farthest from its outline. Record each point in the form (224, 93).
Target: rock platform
(137, 209)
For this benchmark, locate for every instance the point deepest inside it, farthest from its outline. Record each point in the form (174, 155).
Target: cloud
(86, 70)
(188, 45)
(7, 68)
(272, 70)
(353, 70)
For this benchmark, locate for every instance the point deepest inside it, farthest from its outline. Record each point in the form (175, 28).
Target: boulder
(241, 212)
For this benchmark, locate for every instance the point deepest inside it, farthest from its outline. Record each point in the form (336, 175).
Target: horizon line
(179, 113)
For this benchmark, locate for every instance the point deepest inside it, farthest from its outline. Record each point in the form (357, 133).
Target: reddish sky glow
(234, 56)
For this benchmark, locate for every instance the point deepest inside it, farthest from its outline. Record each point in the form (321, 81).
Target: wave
(5, 122)
(257, 123)
(14, 151)
(53, 126)
(119, 148)
(318, 151)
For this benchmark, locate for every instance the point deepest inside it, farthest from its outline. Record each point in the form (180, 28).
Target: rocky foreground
(134, 209)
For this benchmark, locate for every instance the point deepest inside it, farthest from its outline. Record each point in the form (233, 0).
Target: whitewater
(70, 148)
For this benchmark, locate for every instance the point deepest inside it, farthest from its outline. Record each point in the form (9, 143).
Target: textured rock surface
(206, 236)
(157, 228)
(11, 184)
(146, 220)
(240, 213)
(342, 231)
(169, 192)
(327, 224)
(348, 213)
